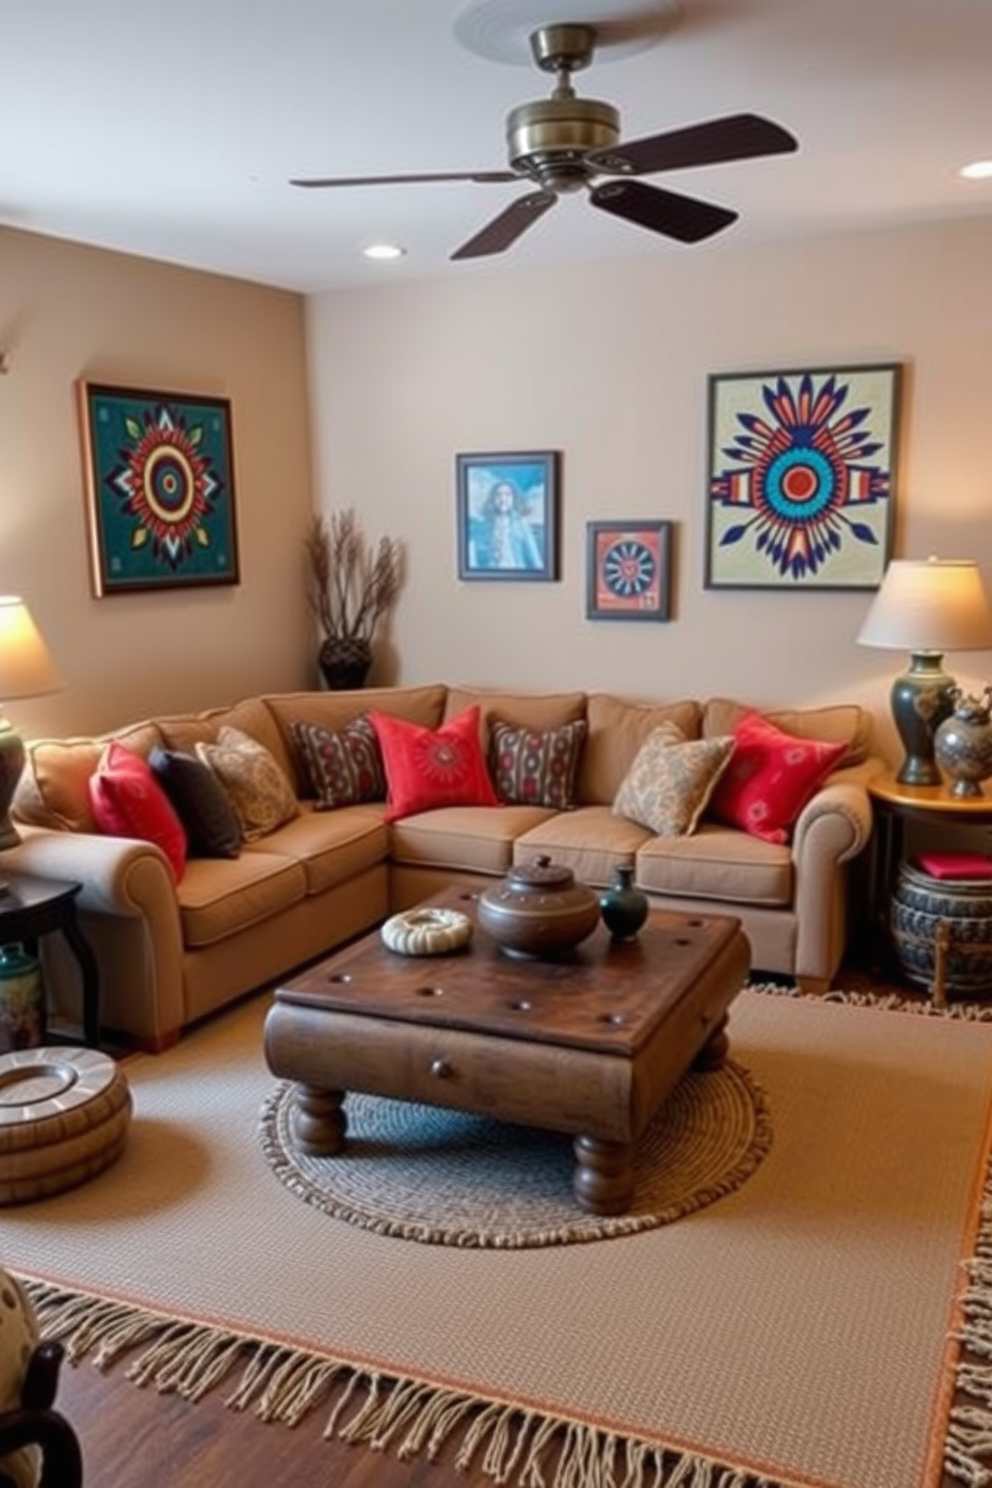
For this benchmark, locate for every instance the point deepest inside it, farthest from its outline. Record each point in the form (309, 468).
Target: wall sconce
(926, 606)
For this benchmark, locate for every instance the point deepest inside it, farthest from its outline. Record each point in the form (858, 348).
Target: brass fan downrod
(547, 140)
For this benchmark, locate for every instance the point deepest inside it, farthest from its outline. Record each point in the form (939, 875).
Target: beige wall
(609, 365)
(69, 312)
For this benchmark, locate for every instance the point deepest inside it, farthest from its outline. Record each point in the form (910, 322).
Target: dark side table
(33, 907)
(894, 805)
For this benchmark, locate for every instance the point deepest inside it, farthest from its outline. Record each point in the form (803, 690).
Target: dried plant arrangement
(354, 582)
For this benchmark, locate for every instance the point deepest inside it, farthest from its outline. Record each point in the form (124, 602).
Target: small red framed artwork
(628, 569)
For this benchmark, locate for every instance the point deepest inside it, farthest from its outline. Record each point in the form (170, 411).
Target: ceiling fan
(565, 143)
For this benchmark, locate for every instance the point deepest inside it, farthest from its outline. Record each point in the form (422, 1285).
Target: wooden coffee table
(589, 1045)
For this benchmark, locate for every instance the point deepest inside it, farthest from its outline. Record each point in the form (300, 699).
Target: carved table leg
(604, 1175)
(713, 1054)
(319, 1123)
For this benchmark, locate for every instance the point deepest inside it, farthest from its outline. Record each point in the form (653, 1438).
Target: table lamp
(26, 670)
(926, 606)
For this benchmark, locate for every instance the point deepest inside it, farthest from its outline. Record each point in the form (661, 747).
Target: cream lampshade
(926, 606)
(26, 670)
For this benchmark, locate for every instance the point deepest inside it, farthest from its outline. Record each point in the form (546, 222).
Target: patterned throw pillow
(342, 768)
(201, 802)
(771, 777)
(531, 767)
(428, 768)
(260, 793)
(670, 780)
(128, 801)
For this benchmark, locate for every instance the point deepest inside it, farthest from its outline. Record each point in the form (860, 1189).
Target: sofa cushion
(617, 729)
(536, 767)
(53, 790)
(428, 768)
(260, 791)
(218, 899)
(469, 839)
(534, 710)
(342, 768)
(590, 840)
(201, 803)
(671, 780)
(331, 848)
(335, 710)
(840, 721)
(719, 863)
(771, 777)
(128, 801)
(250, 716)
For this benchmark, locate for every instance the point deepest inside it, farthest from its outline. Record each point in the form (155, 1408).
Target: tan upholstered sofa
(170, 954)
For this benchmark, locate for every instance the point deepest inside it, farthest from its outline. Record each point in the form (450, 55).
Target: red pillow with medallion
(428, 768)
(128, 801)
(770, 777)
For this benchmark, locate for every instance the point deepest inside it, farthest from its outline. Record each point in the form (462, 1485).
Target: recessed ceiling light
(978, 170)
(384, 251)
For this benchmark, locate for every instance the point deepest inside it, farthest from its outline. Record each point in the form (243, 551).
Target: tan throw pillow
(671, 780)
(259, 789)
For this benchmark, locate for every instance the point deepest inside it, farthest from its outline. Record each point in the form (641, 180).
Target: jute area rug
(803, 1329)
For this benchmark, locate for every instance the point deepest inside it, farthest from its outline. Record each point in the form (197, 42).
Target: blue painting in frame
(159, 479)
(802, 477)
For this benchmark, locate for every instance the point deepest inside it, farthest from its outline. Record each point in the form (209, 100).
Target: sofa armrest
(833, 827)
(129, 913)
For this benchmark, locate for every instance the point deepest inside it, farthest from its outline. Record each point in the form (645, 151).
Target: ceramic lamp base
(11, 765)
(921, 699)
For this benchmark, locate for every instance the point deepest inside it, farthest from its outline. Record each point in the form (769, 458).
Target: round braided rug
(449, 1178)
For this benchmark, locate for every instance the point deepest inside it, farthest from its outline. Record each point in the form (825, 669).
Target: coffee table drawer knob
(440, 1069)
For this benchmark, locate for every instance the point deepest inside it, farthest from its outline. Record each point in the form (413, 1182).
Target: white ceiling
(170, 128)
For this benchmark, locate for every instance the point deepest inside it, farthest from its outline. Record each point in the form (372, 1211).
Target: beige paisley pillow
(671, 780)
(259, 788)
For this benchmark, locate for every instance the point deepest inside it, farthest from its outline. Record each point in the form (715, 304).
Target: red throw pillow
(428, 768)
(128, 801)
(770, 777)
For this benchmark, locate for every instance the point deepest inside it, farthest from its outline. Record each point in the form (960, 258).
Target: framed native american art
(159, 479)
(628, 567)
(508, 516)
(802, 477)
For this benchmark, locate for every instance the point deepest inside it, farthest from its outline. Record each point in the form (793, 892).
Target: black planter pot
(344, 662)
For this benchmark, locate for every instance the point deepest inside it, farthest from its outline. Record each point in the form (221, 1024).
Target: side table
(894, 806)
(33, 907)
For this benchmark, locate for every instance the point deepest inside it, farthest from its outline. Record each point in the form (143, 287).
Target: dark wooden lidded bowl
(539, 910)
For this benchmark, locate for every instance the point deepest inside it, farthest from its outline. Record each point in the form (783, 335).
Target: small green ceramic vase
(623, 907)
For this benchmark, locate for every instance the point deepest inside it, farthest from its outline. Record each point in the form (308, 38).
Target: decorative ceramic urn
(962, 745)
(539, 911)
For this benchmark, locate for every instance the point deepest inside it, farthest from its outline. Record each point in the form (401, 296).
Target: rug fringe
(282, 1384)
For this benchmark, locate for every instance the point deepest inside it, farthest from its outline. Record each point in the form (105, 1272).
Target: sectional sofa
(171, 953)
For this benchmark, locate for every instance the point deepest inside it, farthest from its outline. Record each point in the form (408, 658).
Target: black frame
(628, 542)
(534, 476)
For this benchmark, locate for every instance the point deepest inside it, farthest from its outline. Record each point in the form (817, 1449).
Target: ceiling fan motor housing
(548, 140)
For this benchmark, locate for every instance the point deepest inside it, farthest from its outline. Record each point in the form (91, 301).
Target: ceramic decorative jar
(962, 745)
(539, 910)
(623, 907)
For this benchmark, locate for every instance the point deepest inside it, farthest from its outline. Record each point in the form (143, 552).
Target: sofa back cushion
(617, 729)
(333, 711)
(53, 790)
(833, 724)
(532, 710)
(250, 716)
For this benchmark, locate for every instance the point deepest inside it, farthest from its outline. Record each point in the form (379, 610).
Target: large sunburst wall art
(159, 478)
(802, 477)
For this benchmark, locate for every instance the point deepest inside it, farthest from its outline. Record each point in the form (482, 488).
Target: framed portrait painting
(802, 477)
(508, 515)
(159, 480)
(628, 570)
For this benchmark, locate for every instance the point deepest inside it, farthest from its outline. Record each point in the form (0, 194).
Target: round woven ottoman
(64, 1115)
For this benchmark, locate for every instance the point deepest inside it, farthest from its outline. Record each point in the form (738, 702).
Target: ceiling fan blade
(685, 218)
(504, 229)
(735, 137)
(484, 178)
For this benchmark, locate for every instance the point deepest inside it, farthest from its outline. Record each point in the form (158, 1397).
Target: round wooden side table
(895, 805)
(33, 907)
